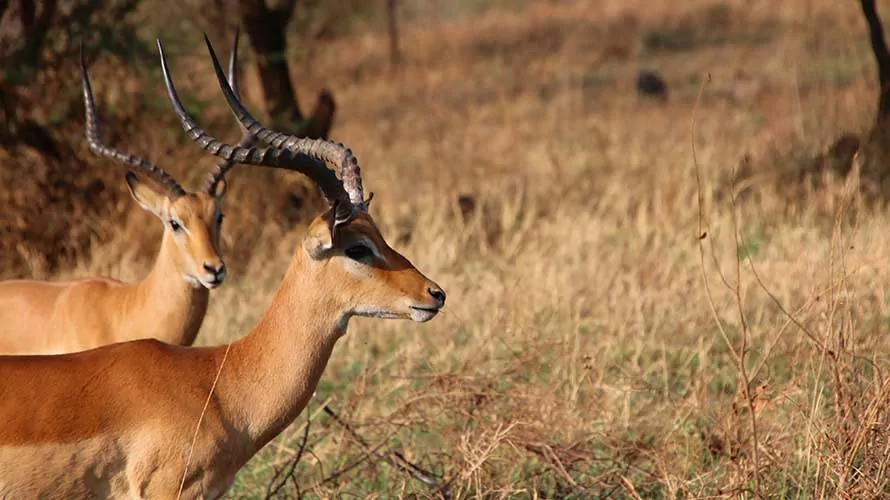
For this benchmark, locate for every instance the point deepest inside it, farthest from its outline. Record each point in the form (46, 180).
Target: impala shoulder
(146, 351)
(23, 298)
(91, 293)
(100, 284)
(30, 288)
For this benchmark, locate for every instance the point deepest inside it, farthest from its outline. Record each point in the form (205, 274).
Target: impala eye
(359, 252)
(219, 218)
(175, 226)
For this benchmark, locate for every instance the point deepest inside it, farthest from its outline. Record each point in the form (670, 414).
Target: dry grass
(604, 335)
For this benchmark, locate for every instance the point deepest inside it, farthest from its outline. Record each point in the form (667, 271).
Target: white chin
(195, 282)
(210, 285)
(422, 315)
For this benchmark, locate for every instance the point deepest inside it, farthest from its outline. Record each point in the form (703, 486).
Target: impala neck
(272, 373)
(175, 306)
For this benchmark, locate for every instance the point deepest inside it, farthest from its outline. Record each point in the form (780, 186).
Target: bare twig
(394, 458)
(281, 479)
(703, 233)
(337, 474)
(743, 371)
(738, 355)
(545, 451)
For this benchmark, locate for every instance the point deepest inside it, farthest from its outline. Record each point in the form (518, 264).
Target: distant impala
(39, 317)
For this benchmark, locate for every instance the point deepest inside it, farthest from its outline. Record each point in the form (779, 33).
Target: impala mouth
(212, 282)
(422, 314)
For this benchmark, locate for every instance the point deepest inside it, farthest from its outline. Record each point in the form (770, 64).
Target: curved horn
(335, 154)
(309, 162)
(247, 139)
(92, 134)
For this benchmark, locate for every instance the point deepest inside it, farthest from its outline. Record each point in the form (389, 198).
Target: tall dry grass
(618, 324)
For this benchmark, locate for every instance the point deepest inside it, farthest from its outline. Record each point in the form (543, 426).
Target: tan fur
(118, 421)
(169, 304)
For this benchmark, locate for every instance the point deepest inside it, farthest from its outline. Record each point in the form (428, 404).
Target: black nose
(438, 294)
(216, 271)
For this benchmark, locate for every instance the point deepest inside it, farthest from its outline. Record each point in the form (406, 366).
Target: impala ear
(319, 238)
(145, 195)
(322, 234)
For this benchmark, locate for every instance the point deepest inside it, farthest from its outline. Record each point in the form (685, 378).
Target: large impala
(38, 317)
(145, 419)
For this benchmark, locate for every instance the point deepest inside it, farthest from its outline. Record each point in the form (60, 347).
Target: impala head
(192, 220)
(343, 246)
(372, 278)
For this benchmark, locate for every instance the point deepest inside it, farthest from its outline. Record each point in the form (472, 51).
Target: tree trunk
(267, 31)
(319, 125)
(882, 57)
(35, 27)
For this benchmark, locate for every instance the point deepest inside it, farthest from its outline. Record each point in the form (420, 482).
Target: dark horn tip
(216, 66)
(171, 88)
(83, 65)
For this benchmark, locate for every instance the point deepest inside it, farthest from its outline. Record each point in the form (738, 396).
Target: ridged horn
(93, 137)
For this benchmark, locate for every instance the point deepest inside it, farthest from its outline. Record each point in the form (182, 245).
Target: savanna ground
(619, 323)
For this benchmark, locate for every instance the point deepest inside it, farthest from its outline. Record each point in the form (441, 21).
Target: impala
(38, 317)
(144, 419)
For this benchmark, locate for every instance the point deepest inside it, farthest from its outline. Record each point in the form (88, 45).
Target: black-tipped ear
(147, 197)
(334, 222)
(341, 213)
(132, 180)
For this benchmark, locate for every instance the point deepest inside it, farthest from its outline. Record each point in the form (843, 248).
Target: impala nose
(218, 272)
(438, 294)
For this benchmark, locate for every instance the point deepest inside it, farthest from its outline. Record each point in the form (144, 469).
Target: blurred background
(662, 228)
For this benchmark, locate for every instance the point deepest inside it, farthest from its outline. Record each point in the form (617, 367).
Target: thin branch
(746, 331)
(703, 233)
(292, 466)
(337, 474)
(394, 458)
(738, 357)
